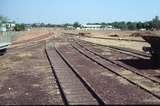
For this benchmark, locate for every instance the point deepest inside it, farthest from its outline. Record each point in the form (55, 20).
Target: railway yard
(64, 68)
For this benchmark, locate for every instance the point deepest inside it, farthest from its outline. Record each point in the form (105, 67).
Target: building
(96, 27)
(92, 27)
(70, 27)
(8, 26)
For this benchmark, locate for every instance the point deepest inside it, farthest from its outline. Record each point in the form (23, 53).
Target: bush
(20, 27)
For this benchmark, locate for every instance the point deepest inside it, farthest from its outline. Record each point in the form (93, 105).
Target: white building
(91, 27)
(70, 27)
(97, 27)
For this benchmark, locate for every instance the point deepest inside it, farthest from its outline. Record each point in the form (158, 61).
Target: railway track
(152, 74)
(108, 38)
(120, 49)
(127, 51)
(74, 90)
(132, 40)
(89, 76)
(122, 74)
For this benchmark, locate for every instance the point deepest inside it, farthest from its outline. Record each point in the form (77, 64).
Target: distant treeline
(45, 25)
(75, 25)
(154, 24)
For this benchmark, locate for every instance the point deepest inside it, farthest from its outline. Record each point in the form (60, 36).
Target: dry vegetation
(118, 36)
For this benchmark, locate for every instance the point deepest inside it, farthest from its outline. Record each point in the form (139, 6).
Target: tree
(115, 24)
(156, 23)
(42, 24)
(20, 27)
(103, 24)
(147, 25)
(76, 24)
(122, 25)
(132, 25)
(67, 24)
(140, 25)
(34, 25)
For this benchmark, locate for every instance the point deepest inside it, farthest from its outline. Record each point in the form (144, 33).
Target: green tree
(122, 25)
(115, 24)
(76, 24)
(34, 25)
(20, 27)
(132, 25)
(140, 25)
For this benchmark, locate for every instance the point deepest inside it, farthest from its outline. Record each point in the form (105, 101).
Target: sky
(83, 11)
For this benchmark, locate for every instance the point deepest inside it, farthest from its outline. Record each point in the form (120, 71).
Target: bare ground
(127, 35)
(26, 77)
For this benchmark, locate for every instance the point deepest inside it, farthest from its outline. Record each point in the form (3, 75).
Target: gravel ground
(112, 88)
(26, 77)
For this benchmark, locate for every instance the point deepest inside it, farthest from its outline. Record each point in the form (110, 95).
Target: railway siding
(115, 57)
(72, 89)
(104, 81)
(127, 74)
(63, 70)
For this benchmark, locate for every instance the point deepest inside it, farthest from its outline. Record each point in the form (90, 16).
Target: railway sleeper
(72, 89)
(144, 83)
(109, 89)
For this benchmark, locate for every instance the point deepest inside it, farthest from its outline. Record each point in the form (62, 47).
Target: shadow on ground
(3, 51)
(142, 63)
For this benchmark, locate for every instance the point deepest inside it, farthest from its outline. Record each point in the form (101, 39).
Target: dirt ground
(127, 35)
(26, 77)
(38, 32)
(126, 44)
(33, 33)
